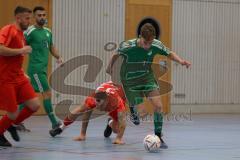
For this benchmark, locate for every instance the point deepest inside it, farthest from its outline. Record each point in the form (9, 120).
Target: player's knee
(157, 104)
(158, 108)
(33, 104)
(34, 107)
(13, 116)
(47, 95)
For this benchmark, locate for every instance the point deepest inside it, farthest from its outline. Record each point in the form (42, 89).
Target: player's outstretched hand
(118, 141)
(80, 138)
(186, 63)
(26, 50)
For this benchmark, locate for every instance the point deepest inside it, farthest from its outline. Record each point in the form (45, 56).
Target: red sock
(67, 121)
(24, 114)
(5, 123)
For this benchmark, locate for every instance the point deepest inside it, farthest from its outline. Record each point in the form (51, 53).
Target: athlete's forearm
(121, 124)
(85, 120)
(73, 115)
(78, 111)
(173, 56)
(5, 51)
(112, 61)
(55, 52)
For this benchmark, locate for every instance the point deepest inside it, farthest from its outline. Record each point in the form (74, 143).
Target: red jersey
(116, 99)
(11, 66)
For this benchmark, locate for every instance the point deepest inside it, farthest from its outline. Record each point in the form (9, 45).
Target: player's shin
(158, 123)
(49, 110)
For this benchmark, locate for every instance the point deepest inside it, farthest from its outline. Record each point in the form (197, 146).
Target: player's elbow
(171, 55)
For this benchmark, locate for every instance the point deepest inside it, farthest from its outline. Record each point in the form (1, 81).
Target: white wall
(83, 27)
(207, 32)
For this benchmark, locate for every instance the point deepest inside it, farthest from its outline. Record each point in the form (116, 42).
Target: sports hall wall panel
(208, 34)
(203, 31)
(84, 27)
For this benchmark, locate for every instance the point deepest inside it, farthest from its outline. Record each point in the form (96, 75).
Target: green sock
(49, 110)
(158, 123)
(20, 107)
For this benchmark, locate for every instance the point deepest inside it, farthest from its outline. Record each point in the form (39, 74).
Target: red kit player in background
(15, 88)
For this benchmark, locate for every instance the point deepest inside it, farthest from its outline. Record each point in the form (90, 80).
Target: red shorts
(11, 95)
(114, 113)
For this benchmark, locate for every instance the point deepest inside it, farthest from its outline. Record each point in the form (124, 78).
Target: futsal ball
(152, 143)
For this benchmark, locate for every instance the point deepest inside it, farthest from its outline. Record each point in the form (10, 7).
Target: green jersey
(40, 39)
(137, 61)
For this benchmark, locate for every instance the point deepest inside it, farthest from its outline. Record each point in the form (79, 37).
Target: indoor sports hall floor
(203, 137)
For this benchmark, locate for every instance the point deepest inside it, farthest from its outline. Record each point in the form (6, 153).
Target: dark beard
(41, 22)
(23, 27)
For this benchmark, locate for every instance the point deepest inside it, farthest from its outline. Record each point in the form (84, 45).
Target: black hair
(37, 8)
(100, 95)
(20, 9)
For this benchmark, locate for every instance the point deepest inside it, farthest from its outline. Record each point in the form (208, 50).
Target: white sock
(62, 126)
(109, 123)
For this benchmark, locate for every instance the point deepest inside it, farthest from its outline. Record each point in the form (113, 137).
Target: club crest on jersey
(149, 53)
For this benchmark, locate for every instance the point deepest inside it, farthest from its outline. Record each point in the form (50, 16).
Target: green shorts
(135, 92)
(39, 82)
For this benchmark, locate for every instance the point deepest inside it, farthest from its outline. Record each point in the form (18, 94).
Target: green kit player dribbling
(137, 77)
(40, 39)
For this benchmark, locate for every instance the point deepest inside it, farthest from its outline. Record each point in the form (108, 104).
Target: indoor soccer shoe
(134, 116)
(13, 132)
(57, 125)
(56, 131)
(163, 144)
(108, 130)
(4, 142)
(22, 128)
